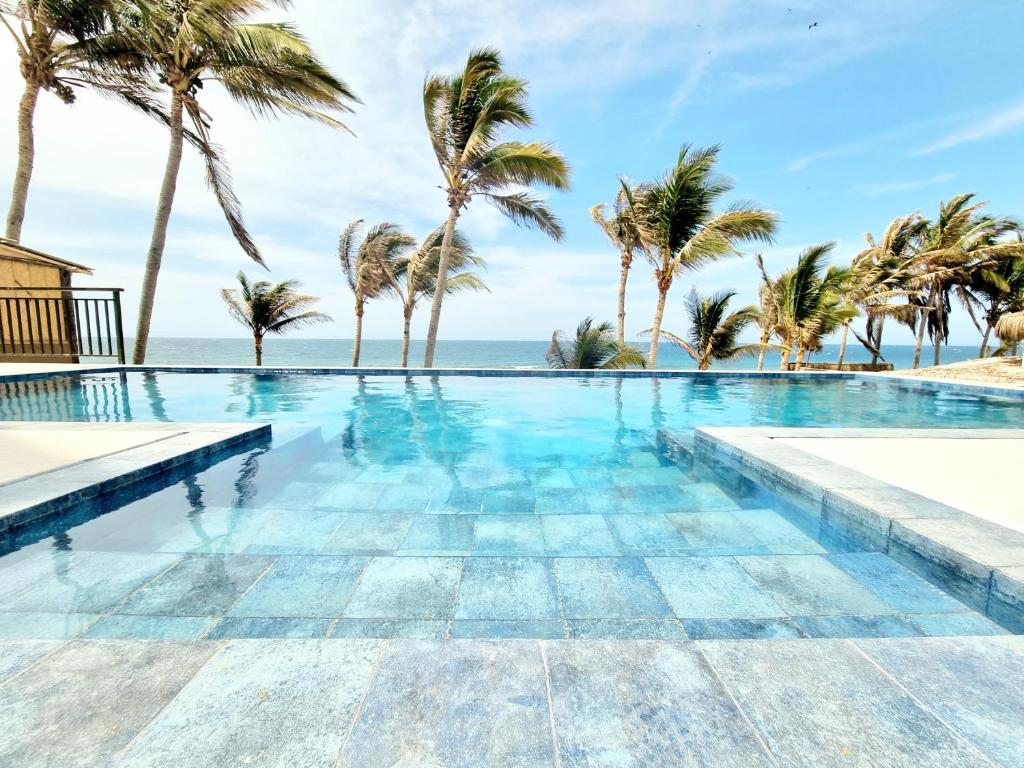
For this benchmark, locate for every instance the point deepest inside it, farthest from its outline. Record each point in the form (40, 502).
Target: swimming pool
(464, 506)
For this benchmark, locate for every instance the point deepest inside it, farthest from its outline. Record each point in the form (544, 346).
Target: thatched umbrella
(1011, 328)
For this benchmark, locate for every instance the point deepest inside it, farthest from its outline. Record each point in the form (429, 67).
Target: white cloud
(1007, 120)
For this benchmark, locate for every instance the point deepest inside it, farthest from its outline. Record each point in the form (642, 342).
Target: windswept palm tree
(811, 302)
(593, 347)
(621, 230)
(264, 308)
(680, 229)
(269, 68)
(466, 115)
(768, 310)
(369, 266)
(55, 40)
(988, 294)
(714, 331)
(415, 276)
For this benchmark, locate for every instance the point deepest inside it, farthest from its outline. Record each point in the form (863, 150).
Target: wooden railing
(61, 323)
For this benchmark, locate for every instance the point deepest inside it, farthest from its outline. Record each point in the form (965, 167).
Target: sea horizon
(473, 353)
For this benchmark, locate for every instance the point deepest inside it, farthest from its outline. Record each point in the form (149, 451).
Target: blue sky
(883, 108)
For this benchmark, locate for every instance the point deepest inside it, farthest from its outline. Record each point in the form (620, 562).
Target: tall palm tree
(414, 276)
(620, 227)
(811, 302)
(768, 310)
(368, 266)
(714, 331)
(593, 347)
(680, 229)
(991, 293)
(54, 42)
(269, 68)
(264, 308)
(466, 115)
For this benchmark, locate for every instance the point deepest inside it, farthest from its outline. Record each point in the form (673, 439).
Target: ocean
(468, 354)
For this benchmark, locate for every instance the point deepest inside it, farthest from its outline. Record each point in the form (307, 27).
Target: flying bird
(812, 26)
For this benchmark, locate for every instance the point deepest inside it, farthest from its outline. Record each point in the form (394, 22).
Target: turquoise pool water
(465, 507)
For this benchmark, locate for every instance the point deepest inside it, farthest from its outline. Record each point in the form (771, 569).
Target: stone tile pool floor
(324, 547)
(878, 702)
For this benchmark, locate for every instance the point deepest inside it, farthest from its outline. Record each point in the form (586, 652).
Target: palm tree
(680, 229)
(414, 276)
(267, 67)
(768, 317)
(714, 330)
(991, 293)
(593, 347)
(265, 308)
(959, 244)
(53, 38)
(466, 115)
(811, 302)
(368, 266)
(621, 230)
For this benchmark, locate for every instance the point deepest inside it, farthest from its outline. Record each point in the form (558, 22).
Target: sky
(839, 116)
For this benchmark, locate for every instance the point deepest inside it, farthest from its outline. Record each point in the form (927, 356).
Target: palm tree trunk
(938, 328)
(441, 286)
(787, 352)
(877, 340)
(842, 345)
(623, 277)
(258, 343)
(156, 247)
(358, 341)
(26, 159)
(659, 313)
(983, 352)
(919, 343)
(760, 354)
(405, 336)
(800, 354)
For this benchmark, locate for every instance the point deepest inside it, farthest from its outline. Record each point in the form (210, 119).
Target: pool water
(466, 507)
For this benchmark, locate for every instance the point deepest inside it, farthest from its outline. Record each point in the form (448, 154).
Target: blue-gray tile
(84, 703)
(351, 497)
(495, 588)
(646, 534)
(198, 585)
(406, 588)
(310, 587)
(578, 535)
(294, 532)
(439, 535)
(477, 703)
(509, 535)
(509, 501)
(822, 703)
(368, 532)
(900, 588)
(857, 626)
(416, 629)
(711, 588)
(778, 533)
(18, 655)
(30, 625)
(278, 702)
(811, 585)
(608, 588)
(741, 629)
(649, 704)
(117, 627)
(950, 624)
(973, 684)
(543, 629)
(257, 628)
(626, 629)
(406, 498)
(92, 582)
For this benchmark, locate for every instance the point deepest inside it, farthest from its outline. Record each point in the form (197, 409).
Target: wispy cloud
(1004, 121)
(890, 187)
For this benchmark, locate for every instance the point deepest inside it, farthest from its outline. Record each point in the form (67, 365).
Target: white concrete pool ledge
(51, 466)
(942, 501)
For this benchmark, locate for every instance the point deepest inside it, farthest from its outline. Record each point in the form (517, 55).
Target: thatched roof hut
(1011, 328)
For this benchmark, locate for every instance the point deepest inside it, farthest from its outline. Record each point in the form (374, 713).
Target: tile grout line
(758, 736)
(119, 755)
(551, 704)
(60, 645)
(924, 707)
(385, 646)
